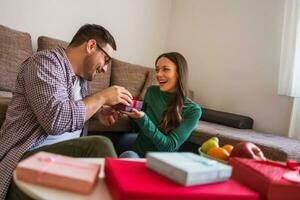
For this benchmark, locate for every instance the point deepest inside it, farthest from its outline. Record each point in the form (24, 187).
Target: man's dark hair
(96, 32)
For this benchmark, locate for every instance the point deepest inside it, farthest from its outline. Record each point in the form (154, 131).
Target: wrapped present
(188, 168)
(269, 178)
(132, 180)
(135, 104)
(58, 171)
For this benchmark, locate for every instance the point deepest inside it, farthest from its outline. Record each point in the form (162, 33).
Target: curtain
(294, 130)
(289, 71)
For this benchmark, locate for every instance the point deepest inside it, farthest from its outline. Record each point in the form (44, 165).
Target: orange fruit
(219, 153)
(228, 148)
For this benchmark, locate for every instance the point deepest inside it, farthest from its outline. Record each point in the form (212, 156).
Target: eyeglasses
(107, 58)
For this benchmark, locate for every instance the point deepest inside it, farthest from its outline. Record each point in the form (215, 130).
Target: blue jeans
(129, 154)
(125, 142)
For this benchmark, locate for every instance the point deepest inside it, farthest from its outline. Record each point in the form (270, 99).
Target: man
(50, 104)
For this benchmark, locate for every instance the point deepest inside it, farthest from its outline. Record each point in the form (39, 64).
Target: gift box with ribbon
(188, 168)
(58, 171)
(135, 104)
(274, 180)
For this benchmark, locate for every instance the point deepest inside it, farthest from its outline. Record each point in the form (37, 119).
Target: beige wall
(232, 46)
(139, 27)
(233, 49)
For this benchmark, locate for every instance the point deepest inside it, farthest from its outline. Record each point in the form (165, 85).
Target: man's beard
(88, 71)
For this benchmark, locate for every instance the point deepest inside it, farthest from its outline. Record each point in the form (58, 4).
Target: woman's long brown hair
(172, 115)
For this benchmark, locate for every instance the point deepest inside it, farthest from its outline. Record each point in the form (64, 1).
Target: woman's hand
(134, 113)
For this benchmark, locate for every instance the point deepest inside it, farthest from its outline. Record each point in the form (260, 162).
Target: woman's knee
(129, 154)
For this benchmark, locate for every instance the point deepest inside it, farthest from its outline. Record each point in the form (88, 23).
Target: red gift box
(132, 180)
(58, 171)
(265, 178)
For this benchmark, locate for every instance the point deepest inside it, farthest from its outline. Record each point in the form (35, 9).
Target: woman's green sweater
(150, 138)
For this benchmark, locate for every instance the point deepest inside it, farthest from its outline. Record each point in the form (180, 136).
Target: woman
(168, 117)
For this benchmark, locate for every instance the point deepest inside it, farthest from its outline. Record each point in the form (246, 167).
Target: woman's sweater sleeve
(173, 140)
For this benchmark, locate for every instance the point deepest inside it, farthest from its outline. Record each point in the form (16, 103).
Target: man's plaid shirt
(42, 104)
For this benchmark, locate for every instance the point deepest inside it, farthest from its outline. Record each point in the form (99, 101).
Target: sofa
(16, 46)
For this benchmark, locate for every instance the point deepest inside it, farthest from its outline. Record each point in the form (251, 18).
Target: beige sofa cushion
(101, 81)
(274, 147)
(49, 43)
(15, 47)
(151, 80)
(122, 125)
(130, 76)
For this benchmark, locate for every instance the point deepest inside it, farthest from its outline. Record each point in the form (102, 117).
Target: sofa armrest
(275, 147)
(227, 119)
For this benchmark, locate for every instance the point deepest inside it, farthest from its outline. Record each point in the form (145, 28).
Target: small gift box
(188, 168)
(58, 171)
(135, 104)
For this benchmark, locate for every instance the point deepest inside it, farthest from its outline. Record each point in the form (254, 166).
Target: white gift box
(188, 168)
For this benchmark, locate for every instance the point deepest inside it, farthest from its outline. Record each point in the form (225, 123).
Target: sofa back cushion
(100, 82)
(132, 77)
(151, 80)
(49, 43)
(15, 47)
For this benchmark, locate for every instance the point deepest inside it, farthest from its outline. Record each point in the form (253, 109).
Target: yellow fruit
(219, 153)
(215, 139)
(228, 148)
(211, 143)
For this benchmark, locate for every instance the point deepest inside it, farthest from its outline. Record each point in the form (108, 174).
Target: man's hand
(134, 113)
(109, 96)
(116, 94)
(107, 116)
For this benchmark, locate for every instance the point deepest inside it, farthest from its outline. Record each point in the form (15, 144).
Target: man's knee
(100, 145)
(99, 141)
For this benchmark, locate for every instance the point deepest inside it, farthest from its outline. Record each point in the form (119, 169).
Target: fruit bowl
(210, 157)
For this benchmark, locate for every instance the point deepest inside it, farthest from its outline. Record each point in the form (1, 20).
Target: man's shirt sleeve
(47, 93)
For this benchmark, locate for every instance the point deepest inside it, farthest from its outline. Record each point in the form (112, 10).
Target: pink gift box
(58, 171)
